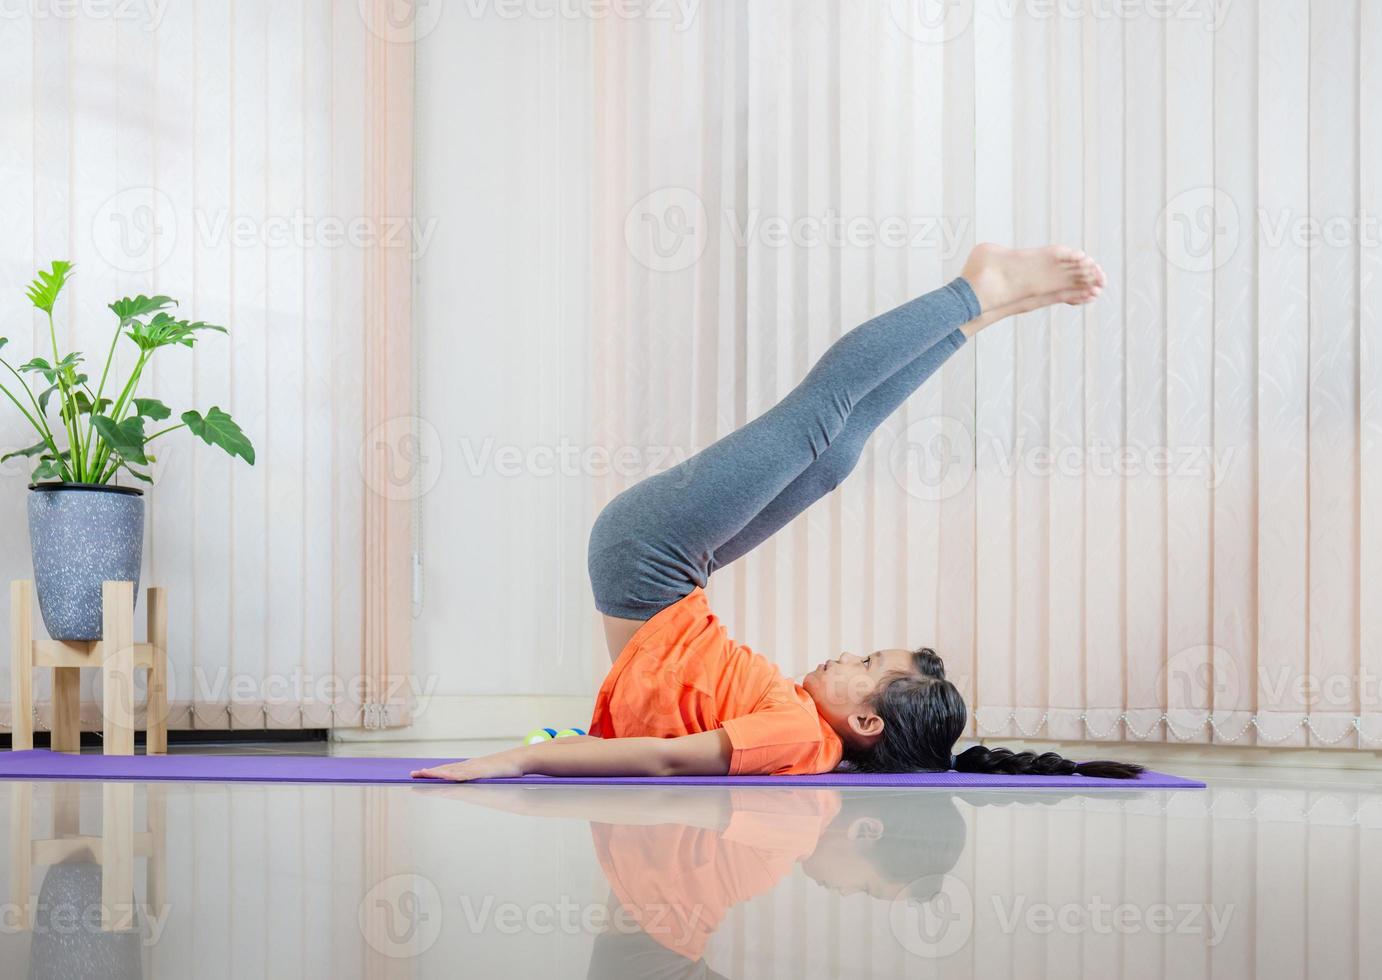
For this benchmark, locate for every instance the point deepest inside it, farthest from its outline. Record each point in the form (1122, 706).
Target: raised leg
(837, 462)
(655, 542)
(22, 664)
(67, 693)
(117, 667)
(156, 714)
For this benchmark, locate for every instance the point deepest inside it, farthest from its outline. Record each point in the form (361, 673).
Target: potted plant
(85, 529)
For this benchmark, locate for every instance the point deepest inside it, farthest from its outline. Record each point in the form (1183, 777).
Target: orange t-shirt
(681, 674)
(679, 882)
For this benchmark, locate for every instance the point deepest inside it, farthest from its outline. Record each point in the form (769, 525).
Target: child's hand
(501, 765)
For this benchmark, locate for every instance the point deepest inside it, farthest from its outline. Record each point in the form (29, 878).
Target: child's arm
(646, 808)
(702, 754)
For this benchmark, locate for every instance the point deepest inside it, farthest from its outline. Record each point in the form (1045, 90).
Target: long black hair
(924, 716)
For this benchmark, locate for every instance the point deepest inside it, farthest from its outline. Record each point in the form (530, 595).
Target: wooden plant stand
(115, 654)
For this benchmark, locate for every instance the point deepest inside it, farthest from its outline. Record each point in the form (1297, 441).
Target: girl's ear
(865, 828)
(866, 725)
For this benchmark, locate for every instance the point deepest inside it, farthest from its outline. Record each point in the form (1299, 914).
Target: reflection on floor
(1261, 875)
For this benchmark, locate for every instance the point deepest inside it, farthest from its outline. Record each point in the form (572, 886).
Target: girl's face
(844, 688)
(841, 863)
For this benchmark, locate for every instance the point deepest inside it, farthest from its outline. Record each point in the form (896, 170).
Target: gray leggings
(664, 536)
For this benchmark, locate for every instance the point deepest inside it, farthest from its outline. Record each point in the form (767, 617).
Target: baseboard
(450, 718)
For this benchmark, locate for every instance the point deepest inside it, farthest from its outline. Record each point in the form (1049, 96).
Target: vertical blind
(253, 161)
(1148, 518)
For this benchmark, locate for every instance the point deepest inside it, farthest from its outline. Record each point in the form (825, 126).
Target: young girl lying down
(682, 697)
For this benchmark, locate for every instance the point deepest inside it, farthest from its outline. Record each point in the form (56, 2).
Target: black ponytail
(981, 759)
(924, 716)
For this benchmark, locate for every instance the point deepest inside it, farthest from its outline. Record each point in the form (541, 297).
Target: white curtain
(1146, 519)
(238, 157)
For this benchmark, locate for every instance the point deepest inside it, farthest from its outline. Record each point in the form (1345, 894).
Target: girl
(682, 698)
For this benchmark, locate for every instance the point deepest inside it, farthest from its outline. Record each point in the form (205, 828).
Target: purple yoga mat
(42, 764)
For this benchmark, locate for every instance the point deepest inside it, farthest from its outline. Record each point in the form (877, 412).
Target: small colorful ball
(539, 735)
(570, 733)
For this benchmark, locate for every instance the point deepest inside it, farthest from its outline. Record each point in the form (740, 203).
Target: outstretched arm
(702, 754)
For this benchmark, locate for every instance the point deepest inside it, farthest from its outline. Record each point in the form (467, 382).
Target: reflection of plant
(102, 435)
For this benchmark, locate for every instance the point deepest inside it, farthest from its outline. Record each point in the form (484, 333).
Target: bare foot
(1076, 296)
(1002, 276)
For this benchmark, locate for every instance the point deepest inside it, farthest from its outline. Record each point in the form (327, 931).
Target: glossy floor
(1264, 874)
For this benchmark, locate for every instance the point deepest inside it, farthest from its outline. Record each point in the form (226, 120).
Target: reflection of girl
(678, 860)
(682, 697)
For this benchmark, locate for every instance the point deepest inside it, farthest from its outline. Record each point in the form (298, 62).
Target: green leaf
(85, 405)
(163, 330)
(152, 408)
(125, 439)
(219, 429)
(33, 450)
(130, 308)
(43, 291)
(50, 468)
(47, 469)
(66, 369)
(43, 398)
(136, 474)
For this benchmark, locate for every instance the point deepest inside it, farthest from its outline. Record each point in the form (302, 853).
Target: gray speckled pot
(82, 535)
